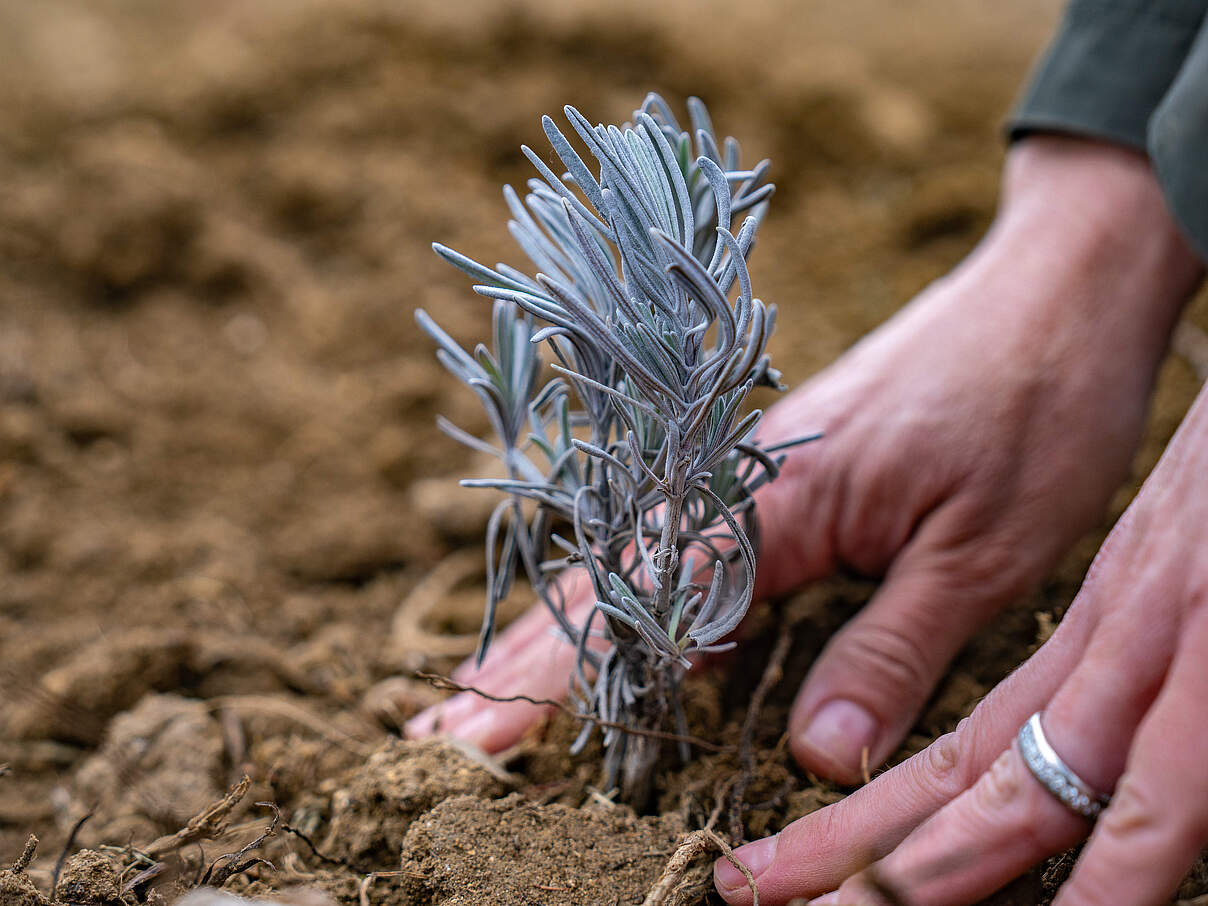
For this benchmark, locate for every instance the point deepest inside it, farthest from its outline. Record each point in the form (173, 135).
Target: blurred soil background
(219, 472)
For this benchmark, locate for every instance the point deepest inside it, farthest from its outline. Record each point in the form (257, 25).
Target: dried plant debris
(636, 461)
(207, 824)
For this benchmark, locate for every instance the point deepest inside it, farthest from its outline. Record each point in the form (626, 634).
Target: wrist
(1094, 209)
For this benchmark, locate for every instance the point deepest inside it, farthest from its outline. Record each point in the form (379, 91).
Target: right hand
(968, 443)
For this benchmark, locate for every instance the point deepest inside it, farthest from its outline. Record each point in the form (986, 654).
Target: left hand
(1122, 683)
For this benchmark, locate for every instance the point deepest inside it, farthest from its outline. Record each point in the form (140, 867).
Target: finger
(872, 679)
(529, 658)
(1007, 821)
(999, 827)
(816, 853)
(505, 656)
(1157, 822)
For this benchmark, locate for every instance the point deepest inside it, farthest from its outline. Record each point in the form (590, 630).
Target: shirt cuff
(1108, 68)
(1178, 137)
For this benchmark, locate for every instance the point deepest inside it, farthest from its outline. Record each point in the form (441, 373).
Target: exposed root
(407, 633)
(368, 881)
(772, 674)
(732, 790)
(696, 844)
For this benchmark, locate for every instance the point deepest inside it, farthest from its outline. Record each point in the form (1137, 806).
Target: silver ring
(1055, 775)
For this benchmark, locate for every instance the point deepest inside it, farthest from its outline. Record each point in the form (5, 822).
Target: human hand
(1019, 380)
(1122, 684)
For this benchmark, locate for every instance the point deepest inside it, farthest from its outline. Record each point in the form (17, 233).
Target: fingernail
(840, 732)
(830, 899)
(442, 717)
(755, 856)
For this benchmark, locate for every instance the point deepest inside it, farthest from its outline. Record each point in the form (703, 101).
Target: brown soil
(219, 472)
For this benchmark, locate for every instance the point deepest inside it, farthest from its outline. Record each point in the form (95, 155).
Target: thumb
(862, 695)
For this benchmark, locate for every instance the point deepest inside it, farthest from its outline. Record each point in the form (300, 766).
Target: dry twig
(236, 863)
(290, 829)
(451, 685)
(143, 876)
(27, 855)
(206, 825)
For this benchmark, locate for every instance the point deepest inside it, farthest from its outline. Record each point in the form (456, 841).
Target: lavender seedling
(635, 461)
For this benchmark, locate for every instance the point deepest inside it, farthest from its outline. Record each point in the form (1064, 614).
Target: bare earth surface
(225, 511)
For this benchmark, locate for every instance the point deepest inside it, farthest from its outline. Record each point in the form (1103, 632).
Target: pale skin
(969, 442)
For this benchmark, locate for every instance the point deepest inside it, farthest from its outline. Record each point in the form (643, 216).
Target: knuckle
(946, 762)
(990, 567)
(1007, 794)
(1081, 892)
(1132, 810)
(1140, 817)
(893, 657)
(1000, 786)
(992, 562)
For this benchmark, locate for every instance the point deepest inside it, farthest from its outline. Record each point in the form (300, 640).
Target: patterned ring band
(1054, 775)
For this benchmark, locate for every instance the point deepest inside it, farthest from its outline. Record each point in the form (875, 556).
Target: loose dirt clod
(16, 889)
(467, 852)
(89, 878)
(376, 802)
(160, 765)
(72, 702)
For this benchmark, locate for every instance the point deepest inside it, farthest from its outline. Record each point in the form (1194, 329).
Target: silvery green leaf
(650, 457)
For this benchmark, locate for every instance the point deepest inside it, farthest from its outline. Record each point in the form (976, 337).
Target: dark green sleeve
(1178, 145)
(1108, 68)
(1133, 72)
